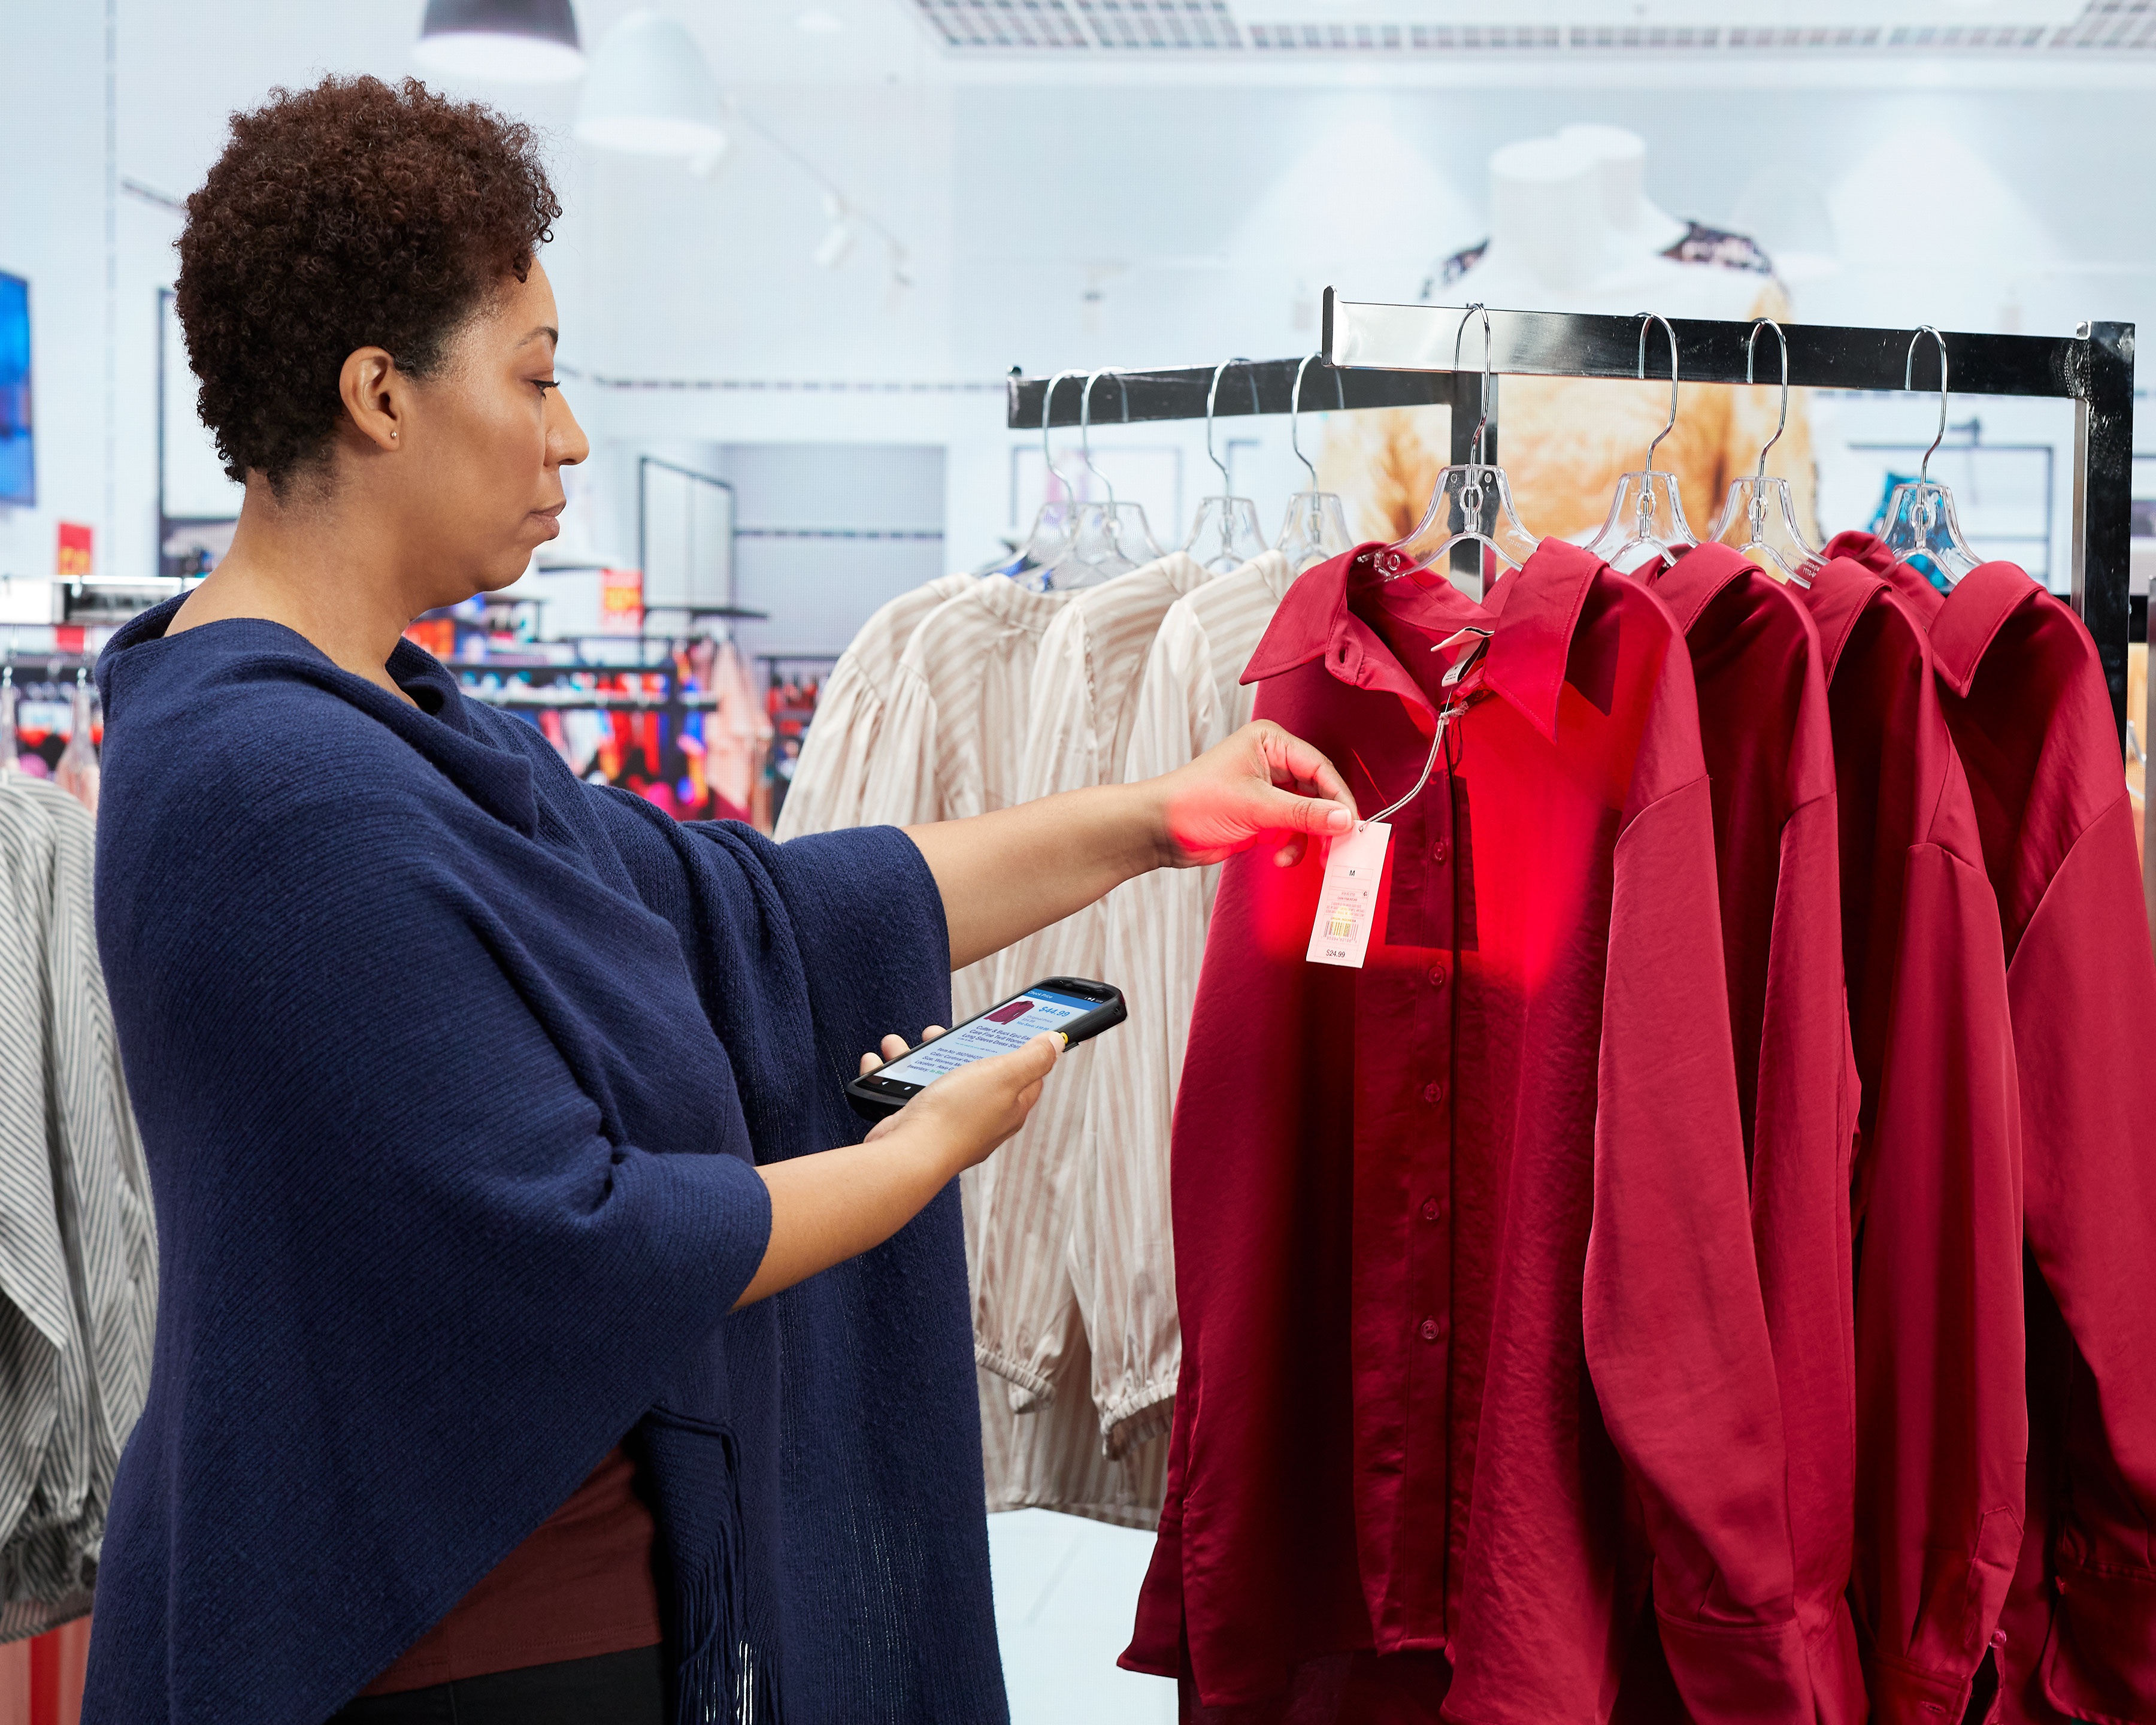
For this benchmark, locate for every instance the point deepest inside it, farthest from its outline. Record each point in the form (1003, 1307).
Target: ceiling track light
(514, 41)
(838, 243)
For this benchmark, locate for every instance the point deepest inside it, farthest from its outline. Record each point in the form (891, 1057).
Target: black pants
(614, 1689)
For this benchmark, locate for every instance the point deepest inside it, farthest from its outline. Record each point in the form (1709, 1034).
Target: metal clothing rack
(1386, 356)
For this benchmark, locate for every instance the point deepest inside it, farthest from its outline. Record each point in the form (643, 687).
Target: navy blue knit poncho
(450, 1071)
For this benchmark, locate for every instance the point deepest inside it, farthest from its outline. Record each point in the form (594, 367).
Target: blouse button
(1431, 1329)
(1429, 1209)
(1437, 976)
(1433, 1092)
(1439, 851)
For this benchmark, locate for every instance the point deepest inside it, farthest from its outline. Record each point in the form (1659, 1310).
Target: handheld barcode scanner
(1068, 1005)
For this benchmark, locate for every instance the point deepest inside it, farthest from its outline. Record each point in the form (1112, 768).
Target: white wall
(1047, 227)
(52, 230)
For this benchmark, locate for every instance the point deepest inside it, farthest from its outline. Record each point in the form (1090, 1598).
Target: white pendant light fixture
(650, 93)
(516, 41)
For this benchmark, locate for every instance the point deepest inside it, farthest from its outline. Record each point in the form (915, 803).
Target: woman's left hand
(1260, 780)
(893, 1047)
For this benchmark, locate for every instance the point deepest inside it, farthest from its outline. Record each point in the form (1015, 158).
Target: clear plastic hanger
(1646, 522)
(1054, 522)
(1922, 528)
(8, 755)
(1472, 501)
(1108, 538)
(77, 773)
(1224, 534)
(1758, 517)
(1315, 526)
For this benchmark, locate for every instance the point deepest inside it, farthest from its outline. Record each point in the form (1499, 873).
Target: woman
(487, 1110)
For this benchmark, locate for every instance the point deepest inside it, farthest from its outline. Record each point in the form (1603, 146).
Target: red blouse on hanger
(1471, 1320)
(1940, 1433)
(2022, 692)
(1760, 673)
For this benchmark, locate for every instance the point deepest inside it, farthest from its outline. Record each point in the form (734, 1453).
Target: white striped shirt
(1078, 727)
(831, 774)
(942, 736)
(1122, 1250)
(77, 1241)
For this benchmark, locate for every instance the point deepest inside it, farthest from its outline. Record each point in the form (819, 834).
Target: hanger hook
(1226, 483)
(1908, 376)
(1086, 429)
(1489, 381)
(1294, 408)
(1047, 397)
(1781, 425)
(1646, 318)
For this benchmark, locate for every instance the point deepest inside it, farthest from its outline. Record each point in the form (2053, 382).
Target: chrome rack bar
(1574, 344)
(1178, 393)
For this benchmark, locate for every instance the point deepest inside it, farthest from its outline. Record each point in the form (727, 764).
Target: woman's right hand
(827, 1207)
(968, 1112)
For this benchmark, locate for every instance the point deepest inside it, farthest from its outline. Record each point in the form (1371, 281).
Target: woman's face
(493, 435)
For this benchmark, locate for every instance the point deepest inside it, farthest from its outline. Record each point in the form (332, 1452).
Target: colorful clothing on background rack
(2023, 695)
(1077, 733)
(78, 1248)
(1936, 1205)
(1759, 674)
(830, 777)
(1505, 1162)
(1190, 696)
(738, 734)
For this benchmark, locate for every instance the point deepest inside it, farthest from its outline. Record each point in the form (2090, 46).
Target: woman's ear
(374, 396)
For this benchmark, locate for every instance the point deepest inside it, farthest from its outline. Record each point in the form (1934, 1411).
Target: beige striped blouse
(949, 742)
(830, 777)
(1078, 726)
(1122, 1250)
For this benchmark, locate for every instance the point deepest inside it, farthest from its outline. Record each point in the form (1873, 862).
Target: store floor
(1065, 1591)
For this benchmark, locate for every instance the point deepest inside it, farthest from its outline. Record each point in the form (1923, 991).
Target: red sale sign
(74, 564)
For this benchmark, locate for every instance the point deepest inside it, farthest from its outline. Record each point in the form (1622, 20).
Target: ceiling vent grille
(1404, 38)
(1653, 39)
(1004, 23)
(2111, 24)
(1141, 27)
(1160, 24)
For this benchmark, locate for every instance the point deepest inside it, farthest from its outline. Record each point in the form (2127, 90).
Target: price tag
(1347, 900)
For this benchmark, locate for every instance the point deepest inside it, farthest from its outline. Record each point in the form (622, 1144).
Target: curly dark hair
(346, 216)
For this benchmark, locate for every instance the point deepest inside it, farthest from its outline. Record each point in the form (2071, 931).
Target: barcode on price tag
(1347, 900)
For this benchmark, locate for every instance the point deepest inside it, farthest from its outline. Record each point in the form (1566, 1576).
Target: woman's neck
(313, 568)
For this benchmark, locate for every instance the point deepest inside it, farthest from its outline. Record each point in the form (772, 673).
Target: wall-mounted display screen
(18, 471)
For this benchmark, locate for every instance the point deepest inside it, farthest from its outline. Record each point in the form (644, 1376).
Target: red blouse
(1472, 1326)
(2024, 695)
(1941, 1431)
(1760, 673)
